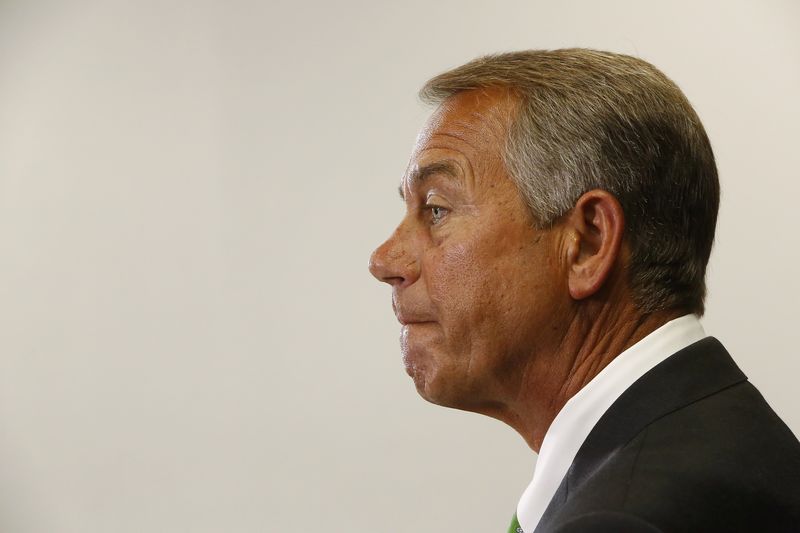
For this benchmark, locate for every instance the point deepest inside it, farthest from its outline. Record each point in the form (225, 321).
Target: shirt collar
(581, 412)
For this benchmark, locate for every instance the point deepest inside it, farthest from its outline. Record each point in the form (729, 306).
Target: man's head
(595, 120)
(470, 276)
(544, 183)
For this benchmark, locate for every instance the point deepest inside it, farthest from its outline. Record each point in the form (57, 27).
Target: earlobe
(597, 224)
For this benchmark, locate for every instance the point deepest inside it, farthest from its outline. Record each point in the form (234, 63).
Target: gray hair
(596, 120)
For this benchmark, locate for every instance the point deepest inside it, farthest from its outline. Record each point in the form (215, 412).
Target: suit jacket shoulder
(691, 446)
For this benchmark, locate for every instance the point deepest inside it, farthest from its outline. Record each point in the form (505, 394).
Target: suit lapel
(697, 371)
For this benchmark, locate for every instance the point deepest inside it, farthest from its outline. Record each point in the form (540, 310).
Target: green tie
(514, 527)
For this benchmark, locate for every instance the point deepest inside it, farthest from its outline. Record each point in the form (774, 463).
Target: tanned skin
(499, 317)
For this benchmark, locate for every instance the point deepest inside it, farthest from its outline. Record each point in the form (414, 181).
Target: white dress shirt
(580, 414)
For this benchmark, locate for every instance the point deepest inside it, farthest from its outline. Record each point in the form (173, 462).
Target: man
(549, 272)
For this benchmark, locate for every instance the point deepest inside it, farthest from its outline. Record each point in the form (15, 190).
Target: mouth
(409, 319)
(413, 321)
(409, 314)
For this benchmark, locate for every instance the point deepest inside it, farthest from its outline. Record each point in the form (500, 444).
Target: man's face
(474, 285)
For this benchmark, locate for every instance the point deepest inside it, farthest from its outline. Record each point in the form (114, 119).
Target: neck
(594, 337)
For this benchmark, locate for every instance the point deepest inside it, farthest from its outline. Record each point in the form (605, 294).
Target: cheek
(449, 268)
(485, 285)
(461, 282)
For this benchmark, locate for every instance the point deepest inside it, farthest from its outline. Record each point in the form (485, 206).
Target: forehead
(474, 122)
(464, 136)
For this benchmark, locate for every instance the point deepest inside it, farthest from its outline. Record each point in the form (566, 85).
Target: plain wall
(189, 193)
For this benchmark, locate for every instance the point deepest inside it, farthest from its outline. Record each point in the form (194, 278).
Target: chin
(434, 395)
(437, 381)
(441, 390)
(424, 380)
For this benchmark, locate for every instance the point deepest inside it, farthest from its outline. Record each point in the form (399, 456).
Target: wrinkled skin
(499, 317)
(480, 292)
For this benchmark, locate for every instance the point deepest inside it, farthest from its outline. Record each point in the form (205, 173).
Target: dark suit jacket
(692, 446)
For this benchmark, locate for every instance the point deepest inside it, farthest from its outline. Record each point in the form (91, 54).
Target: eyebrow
(420, 174)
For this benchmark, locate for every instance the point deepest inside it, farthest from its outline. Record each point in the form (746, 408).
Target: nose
(394, 262)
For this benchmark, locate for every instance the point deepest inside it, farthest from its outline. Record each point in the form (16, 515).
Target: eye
(437, 213)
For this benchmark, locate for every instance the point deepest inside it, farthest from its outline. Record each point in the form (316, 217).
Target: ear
(595, 229)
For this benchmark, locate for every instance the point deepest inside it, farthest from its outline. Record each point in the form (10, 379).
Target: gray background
(189, 192)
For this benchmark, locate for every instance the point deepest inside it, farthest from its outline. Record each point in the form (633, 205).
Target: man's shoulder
(718, 459)
(696, 402)
(729, 432)
(720, 431)
(723, 463)
(607, 522)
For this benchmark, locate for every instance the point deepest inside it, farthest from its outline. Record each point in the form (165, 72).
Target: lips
(410, 314)
(407, 319)
(407, 322)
